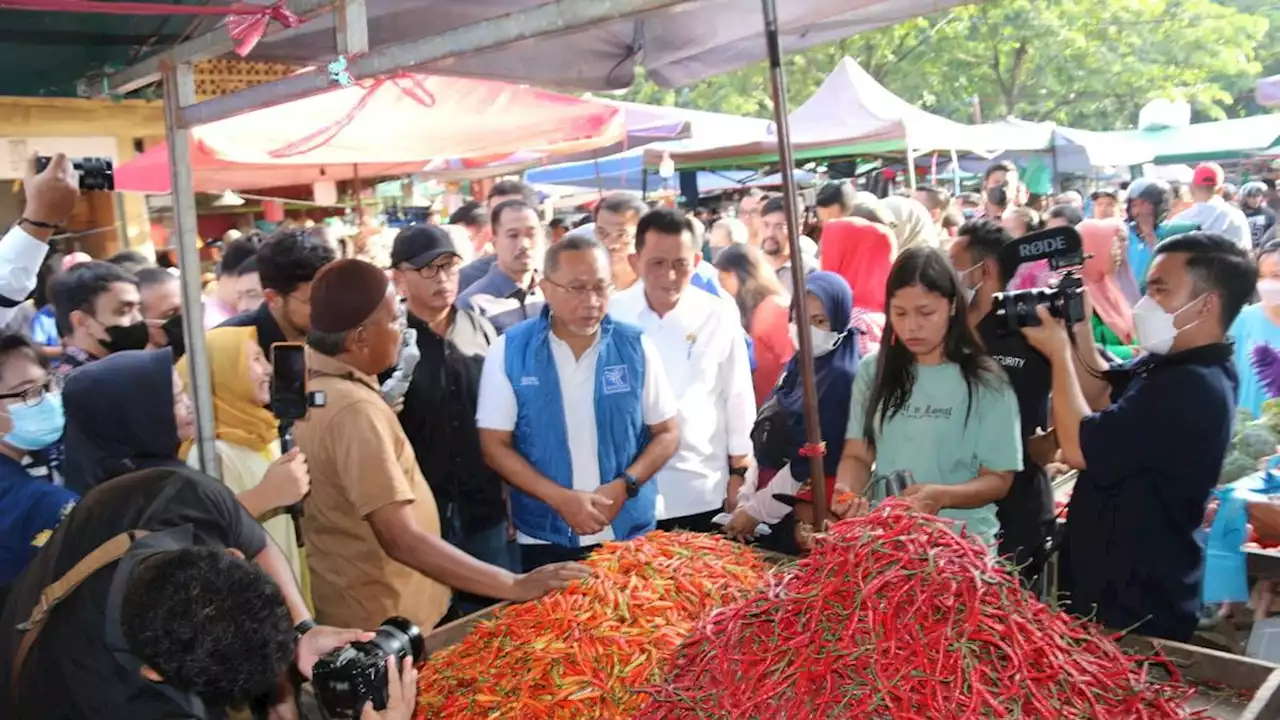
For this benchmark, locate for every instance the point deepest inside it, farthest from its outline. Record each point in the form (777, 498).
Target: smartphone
(289, 381)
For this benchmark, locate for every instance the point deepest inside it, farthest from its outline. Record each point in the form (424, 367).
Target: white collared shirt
(21, 256)
(704, 351)
(497, 408)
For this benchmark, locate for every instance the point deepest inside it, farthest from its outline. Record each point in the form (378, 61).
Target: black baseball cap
(418, 245)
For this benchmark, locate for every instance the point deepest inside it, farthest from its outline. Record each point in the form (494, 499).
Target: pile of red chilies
(896, 615)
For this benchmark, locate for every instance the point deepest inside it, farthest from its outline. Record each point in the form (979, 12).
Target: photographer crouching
(1148, 437)
(161, 597)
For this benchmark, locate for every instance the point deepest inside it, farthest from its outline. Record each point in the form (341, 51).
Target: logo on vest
(528, 380)
(615, 379)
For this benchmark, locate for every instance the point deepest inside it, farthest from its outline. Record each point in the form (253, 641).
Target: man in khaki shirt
(371, 525)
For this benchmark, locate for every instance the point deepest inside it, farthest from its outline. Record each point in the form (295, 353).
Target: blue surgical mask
(38, 426)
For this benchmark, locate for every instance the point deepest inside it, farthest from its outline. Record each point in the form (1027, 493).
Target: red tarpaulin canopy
(386, 126)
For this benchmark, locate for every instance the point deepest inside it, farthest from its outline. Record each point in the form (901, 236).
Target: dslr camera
(1061, 246)
(348, 677)
(96, 173)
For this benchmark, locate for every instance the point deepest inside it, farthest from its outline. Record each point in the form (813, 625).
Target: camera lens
(401, 638)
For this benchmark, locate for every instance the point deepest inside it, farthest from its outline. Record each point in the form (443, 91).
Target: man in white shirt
(1211, 212)
(704, 352)
(575, 379)
(51, 198)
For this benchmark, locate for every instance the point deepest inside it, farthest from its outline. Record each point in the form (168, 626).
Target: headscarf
(238, 418)
(1098, 238)
(913, 224)
(119, 417)
(861, 253)
(833, 376)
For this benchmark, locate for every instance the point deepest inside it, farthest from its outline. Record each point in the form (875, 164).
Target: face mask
(969, 292)
(37, 427)
(1155, 327)
(125, 337)
(1269, 291)
(173, 333)
(824, 341)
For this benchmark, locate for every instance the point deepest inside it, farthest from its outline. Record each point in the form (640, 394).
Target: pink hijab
(1099, 239)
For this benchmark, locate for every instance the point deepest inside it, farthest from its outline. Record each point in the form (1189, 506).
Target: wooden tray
(1214, 671)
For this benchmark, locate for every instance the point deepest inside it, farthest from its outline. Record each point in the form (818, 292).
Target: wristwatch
(738, 472)
(303, 628)
(633, 485)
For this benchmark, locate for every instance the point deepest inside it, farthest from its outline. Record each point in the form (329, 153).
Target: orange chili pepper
(585, 651)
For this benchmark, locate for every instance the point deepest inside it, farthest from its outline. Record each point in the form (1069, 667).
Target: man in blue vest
(576, 414)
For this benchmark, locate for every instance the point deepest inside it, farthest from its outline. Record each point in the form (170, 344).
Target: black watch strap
(738, 472)
(303, 628)
(633, 485)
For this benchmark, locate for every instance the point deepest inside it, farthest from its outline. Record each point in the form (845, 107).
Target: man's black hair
(208, 623)
(985, 239)
(131, 261)
(495, 215)
(1004, 166)
(152, 276)
(15, 343)
(836, 193)
(667, 221)
(557, 223)
(1070, 213)
(938, 197)
(510, 187)
(622, 204)
(1217, 265)
(775, 204)
(570, 243)
(79, 287)
(248, 267)
(235, 254)
(290, 258)
(472, 214)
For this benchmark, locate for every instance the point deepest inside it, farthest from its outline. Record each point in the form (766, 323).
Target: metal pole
(911, 167)
(180, 89)
(355, 188)
(812, 426)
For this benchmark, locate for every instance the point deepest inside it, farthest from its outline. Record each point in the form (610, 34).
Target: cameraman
(1026, 512)
(1149, 437)
(176, 625)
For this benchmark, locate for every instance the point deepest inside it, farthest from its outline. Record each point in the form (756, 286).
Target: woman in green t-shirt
(931, 402)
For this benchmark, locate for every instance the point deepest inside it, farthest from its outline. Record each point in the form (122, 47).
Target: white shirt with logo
(704, 351)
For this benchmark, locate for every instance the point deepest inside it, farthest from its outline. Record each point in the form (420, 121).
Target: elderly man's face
(578, 290)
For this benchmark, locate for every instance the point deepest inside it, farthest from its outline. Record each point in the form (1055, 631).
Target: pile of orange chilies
(580, 653)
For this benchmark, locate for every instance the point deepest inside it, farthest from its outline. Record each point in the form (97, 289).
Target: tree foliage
(1084, 64)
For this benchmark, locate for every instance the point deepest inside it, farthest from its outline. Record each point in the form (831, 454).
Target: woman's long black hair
(896, 365)
(756, 281)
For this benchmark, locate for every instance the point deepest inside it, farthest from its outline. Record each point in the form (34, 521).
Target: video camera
(96, 173)
(348, 677)
(1062, 247)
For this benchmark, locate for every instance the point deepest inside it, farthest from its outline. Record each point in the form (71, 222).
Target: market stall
(893, 615)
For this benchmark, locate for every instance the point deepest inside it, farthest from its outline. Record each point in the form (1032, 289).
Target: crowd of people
(487, 424)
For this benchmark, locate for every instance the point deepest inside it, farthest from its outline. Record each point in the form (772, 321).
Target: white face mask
(824, 341)
(1155, 327)
(1269, 291)
(969, 292)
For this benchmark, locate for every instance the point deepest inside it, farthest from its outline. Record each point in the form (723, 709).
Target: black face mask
(125, 337)
(173, 333)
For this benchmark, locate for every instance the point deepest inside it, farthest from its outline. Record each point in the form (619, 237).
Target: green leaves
(1085, 64)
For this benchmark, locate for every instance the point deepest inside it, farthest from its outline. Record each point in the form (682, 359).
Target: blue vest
(541, 437)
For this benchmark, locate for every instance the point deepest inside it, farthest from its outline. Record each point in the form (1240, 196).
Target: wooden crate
(1212, 669)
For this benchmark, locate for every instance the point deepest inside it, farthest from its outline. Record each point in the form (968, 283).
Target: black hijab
(119, 417)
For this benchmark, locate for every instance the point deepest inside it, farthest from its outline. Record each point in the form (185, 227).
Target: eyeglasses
(32, 396)
(431, 272)
(581, 292)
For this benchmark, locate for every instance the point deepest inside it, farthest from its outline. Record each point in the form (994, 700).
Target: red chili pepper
(896, 615)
